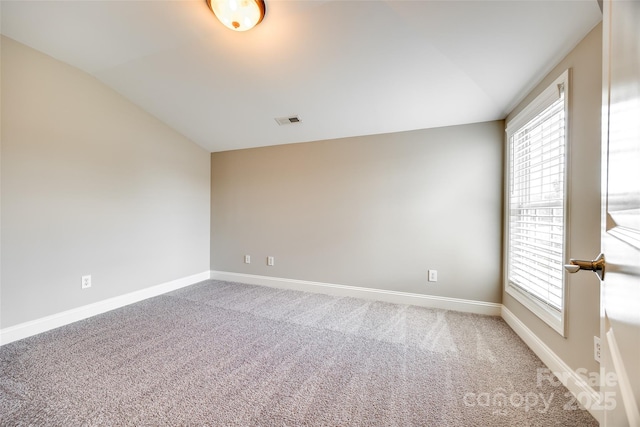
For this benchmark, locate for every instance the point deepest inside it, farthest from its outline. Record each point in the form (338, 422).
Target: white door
(620, 290)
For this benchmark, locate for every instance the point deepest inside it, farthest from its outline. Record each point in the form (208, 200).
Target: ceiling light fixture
(238, 15)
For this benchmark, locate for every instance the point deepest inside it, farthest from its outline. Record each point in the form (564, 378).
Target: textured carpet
(222, 354)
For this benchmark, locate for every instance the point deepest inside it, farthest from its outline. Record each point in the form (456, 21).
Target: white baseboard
(571, 379)
(576, 384)
(34, 327)
(469, 306)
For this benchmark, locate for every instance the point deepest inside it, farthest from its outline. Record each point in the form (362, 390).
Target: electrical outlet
(247, 259)
(596, 348)
(433, 275)
(86, 282)
(270, 261)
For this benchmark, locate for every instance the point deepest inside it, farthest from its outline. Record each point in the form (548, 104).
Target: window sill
(551, 317)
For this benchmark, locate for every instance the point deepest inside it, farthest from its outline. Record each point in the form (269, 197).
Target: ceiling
(346, 68)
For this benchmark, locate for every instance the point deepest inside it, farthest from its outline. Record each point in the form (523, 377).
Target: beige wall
(583, 288)
(372, 211)
(91, 184)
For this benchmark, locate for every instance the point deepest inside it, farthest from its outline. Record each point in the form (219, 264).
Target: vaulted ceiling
(346, 68)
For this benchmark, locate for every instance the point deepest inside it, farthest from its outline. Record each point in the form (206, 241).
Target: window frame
(556, 319)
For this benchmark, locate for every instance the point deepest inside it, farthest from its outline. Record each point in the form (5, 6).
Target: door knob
(597, 266)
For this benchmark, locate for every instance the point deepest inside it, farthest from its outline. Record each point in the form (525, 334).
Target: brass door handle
(597, 266)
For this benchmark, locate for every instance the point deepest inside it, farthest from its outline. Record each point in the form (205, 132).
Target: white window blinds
(536, 199)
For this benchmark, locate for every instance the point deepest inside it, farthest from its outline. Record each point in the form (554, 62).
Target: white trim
(543, 100)
(396, 297)
(34, 327)
(554, 319)
(576, 384)
(570, 379)
(626, 391)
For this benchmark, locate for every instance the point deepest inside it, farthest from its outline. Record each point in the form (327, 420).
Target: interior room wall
(583, 227)
(371, 211)
(91, 185)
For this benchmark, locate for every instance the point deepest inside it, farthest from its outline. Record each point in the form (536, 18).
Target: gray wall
(91, 184)
(583, 298)
(372, 211)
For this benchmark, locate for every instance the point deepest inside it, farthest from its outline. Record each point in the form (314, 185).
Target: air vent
(288, 120)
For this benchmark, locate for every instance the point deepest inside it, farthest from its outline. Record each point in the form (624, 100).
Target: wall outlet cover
(86, 282)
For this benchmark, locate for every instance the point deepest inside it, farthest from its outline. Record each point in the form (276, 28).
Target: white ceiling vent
(288, 120)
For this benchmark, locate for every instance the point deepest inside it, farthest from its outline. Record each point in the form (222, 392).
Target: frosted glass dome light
(238, 15)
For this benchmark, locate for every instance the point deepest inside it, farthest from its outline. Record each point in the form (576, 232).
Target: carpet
(228, 354)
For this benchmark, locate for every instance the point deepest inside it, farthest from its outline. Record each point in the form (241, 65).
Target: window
(536, 204)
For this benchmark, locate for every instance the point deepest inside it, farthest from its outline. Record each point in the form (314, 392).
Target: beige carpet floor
(227, 354)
